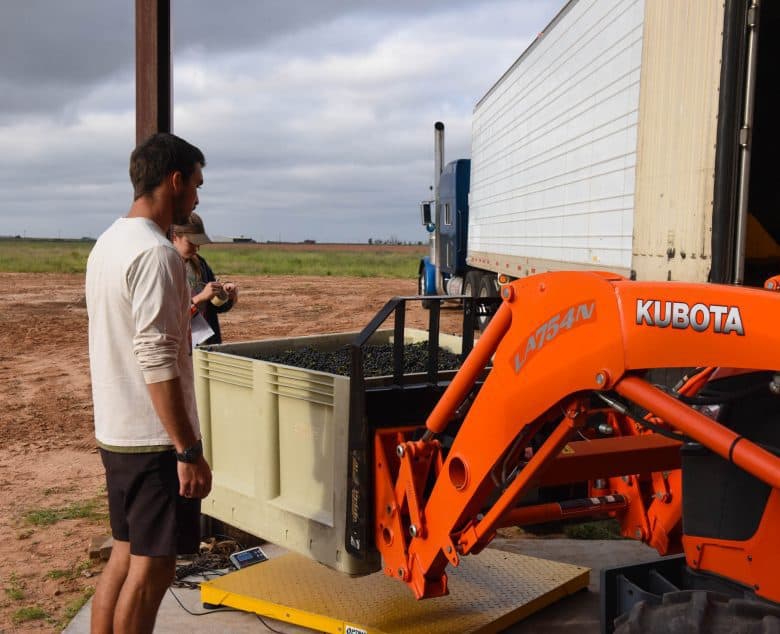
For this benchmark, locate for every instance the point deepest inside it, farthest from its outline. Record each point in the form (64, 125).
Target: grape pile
(377, 360)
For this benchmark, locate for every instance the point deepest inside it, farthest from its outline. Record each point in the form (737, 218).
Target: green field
(70, 256)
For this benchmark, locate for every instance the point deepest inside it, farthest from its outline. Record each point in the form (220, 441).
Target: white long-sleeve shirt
(139, 328)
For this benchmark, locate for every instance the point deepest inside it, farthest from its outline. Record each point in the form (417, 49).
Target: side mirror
(426, 212)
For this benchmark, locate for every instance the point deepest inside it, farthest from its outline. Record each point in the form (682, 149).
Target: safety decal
(681, 315)
(568, 318)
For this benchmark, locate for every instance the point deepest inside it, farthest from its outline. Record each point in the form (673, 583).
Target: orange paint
(544, 370)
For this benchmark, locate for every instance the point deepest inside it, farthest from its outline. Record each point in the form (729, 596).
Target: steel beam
(153, 93)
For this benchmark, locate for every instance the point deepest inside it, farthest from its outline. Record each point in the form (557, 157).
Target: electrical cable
(683, 438)
(260, 618)
(206, 613)
(217, 611)
(211, 562)
(658, 429)
(208, 565)
(632, 411)
(710, 396)
(501, 482)
(228, 538)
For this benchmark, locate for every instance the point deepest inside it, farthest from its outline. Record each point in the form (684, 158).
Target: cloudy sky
(315, 116)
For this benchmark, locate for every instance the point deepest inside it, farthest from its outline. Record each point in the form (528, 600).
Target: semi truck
(632, 136)
(620, 164)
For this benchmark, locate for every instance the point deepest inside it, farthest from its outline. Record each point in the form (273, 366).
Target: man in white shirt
(146, 423)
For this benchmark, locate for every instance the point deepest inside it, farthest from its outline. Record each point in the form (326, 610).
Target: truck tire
(487, 288)
(426, 303)
(470, 289)
(471, 284)
(694, 611)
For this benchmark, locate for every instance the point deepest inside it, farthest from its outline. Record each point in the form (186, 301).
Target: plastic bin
(276, 439)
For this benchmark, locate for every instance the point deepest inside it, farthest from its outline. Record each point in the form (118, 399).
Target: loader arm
(556, 339)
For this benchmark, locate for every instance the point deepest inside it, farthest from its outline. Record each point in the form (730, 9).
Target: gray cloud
(78, 41)
(248, 23)
(315, 117)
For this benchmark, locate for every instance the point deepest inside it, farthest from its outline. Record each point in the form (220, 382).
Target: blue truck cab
(449, 225)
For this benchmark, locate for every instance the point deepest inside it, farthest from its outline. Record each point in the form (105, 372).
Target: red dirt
(47, 455)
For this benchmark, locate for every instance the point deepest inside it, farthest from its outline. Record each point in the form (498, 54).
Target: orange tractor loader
(691, 469)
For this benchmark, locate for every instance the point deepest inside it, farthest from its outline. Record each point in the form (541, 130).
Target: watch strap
(191, 454)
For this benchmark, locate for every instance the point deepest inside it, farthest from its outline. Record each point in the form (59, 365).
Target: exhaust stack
(438, 156)
(438, 168)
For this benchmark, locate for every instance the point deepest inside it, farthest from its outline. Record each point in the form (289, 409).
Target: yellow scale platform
(488, 592)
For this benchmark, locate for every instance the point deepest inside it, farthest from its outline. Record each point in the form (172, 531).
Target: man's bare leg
(108, 587)
(147, 580)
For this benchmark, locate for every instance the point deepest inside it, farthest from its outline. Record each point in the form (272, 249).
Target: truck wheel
(470, 289)
(699, 611)
(426, 303)
(487, 288)
(471, 284)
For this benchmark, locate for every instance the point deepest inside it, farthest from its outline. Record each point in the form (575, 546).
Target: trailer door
(746, 209)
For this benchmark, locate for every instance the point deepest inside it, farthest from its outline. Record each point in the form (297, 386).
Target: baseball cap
(193, 230)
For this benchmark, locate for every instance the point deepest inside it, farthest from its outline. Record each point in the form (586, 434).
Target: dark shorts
(145, 506)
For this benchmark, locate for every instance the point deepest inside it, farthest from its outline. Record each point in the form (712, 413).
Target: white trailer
(634, 136)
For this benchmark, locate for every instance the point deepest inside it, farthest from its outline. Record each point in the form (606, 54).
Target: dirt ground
(51, 480)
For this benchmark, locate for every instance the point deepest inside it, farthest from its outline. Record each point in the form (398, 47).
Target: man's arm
(158, 294)
(168, 401)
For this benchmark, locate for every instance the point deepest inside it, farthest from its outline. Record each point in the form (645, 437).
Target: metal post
(745, 134)
(433, 342)
(153, 101)
(398, 342)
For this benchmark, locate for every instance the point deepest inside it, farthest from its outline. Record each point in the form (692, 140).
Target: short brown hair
(160, 155)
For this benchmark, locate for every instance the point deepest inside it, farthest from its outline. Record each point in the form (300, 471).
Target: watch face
(191, 454)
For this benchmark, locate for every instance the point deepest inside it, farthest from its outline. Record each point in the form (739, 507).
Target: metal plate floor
(488, 593)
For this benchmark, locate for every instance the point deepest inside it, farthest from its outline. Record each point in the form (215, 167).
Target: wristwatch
(191, 454)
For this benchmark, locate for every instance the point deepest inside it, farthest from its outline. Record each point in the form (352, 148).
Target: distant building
(221, 239)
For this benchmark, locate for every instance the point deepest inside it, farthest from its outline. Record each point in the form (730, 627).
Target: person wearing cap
(209, 296)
